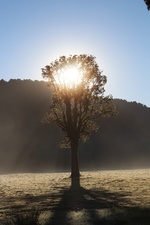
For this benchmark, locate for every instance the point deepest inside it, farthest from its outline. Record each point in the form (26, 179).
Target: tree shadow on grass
(83, 206)
(95, 207)
(71, 206)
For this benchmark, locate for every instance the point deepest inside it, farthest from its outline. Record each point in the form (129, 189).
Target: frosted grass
(44, 191)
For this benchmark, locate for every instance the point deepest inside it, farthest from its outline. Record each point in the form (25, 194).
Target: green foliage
(75, 108)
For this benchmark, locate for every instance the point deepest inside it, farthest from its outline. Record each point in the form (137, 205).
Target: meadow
(116, 197)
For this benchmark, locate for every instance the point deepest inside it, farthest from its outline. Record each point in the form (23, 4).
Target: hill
(26, 145)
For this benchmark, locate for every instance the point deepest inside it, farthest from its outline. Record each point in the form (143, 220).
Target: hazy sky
(35, 32)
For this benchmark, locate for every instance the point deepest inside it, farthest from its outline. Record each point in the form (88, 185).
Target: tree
(147, 2)
(77, 101)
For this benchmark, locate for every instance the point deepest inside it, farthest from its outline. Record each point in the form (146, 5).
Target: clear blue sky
(35, 32)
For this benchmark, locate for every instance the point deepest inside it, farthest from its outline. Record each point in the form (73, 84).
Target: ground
(105, 197)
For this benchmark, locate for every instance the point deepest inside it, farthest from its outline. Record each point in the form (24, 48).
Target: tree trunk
(75, 175)
(72, 133)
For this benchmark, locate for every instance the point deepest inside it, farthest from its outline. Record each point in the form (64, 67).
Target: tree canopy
(76, 105)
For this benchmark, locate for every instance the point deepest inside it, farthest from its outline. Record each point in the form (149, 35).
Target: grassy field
(116, 197)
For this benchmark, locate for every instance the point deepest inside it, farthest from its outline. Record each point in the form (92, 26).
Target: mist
(27, 145)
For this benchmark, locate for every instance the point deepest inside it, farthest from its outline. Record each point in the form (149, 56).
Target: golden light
(69, 77)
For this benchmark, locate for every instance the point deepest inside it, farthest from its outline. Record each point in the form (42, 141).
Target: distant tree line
(26, 145)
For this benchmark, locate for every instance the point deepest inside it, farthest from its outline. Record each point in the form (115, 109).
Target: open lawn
(115, 197)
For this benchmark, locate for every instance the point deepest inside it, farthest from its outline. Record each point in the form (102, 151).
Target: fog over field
(29, 153)
(104, 196)
(26, 145)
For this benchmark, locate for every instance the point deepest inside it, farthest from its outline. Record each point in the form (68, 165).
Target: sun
(70, 77)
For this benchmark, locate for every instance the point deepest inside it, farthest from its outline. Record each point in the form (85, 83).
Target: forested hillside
(26, 145)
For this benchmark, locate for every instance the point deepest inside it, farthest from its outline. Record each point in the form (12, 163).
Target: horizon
(116, 98)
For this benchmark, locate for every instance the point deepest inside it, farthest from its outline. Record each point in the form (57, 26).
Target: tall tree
(77, 101)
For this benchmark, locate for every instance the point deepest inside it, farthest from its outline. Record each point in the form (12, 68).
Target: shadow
(82, 206)
(77, 205)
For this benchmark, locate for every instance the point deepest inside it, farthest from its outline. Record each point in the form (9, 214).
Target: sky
(33, 33)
